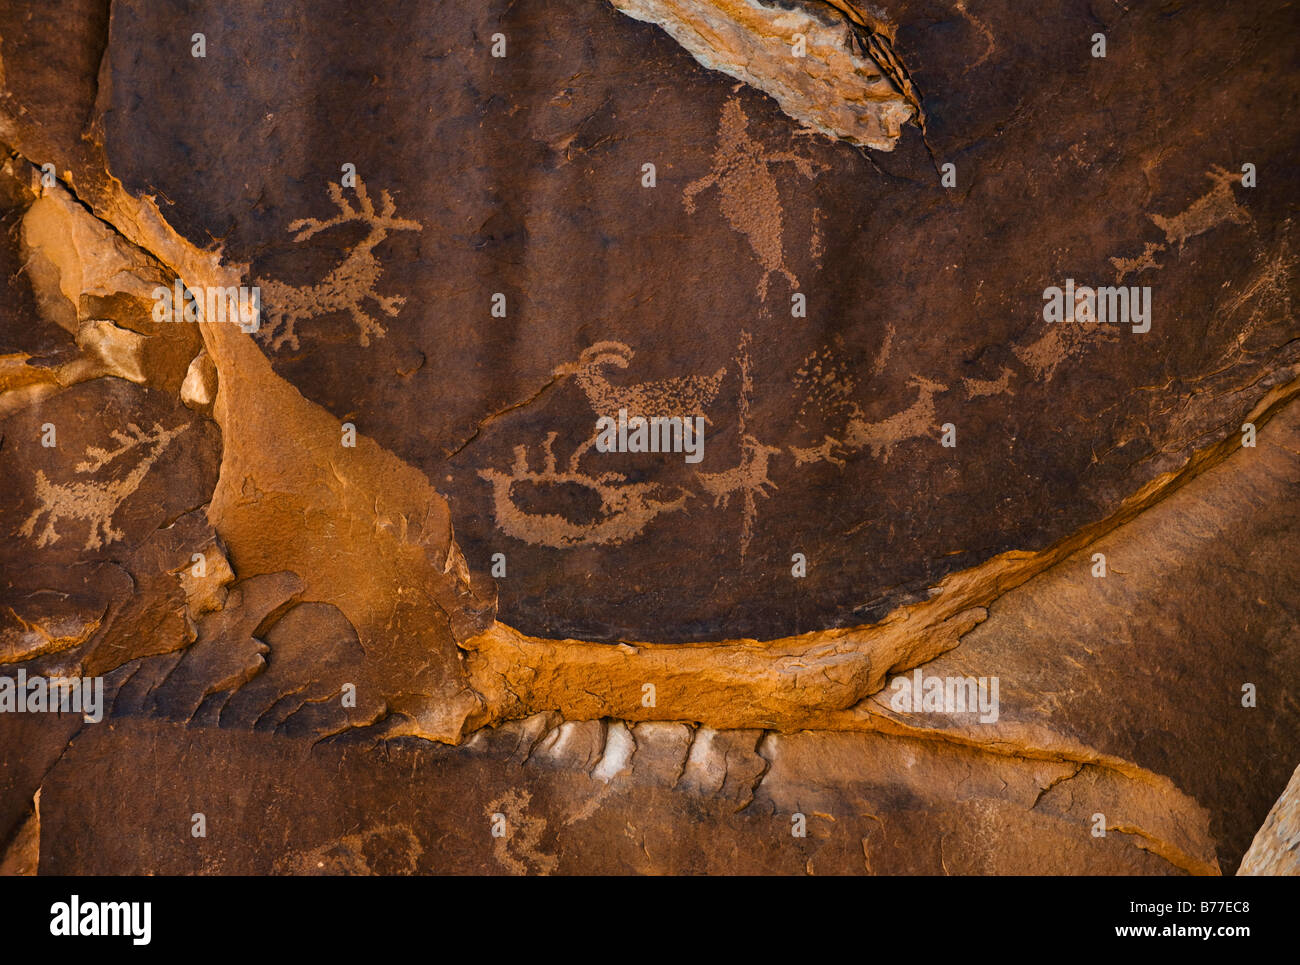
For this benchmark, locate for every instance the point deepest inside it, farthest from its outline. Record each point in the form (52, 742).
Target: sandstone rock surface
(373, 545)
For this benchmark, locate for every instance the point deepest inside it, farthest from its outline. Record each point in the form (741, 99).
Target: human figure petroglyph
(346, 287)
(96, 502)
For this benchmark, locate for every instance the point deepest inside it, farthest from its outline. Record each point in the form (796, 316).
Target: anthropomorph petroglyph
(96, 502)
(750, 477)
(348, 286)
(825, 385)
(747, 192)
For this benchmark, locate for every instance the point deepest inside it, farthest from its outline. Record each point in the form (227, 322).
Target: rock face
(326, 359)
(825, 66)
(1276, 848)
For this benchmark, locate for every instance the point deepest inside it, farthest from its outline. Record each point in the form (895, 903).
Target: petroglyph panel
(834, 313)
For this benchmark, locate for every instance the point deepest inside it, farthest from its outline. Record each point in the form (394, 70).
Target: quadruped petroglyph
(348, 286)
(96, 502)
(627, 507)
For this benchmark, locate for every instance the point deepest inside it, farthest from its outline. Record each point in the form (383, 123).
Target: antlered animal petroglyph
(626, 508)
(347, 287)
(96, 502)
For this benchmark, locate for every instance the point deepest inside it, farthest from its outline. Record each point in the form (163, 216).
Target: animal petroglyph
(349, 285)
(749, 477)
(625, 508)
(825, 385)
(916, 420)
(681, 396)
(1061, 342)
(96, 502)
(827, 450)
(1125, 266)
(747, 191)
(980, 387)
(1208, 211)
(828, 387)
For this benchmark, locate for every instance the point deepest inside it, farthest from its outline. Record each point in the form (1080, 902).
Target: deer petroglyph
(349, 285)
(96, 502)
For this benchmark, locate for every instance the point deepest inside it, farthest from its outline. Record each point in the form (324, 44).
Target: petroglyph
(749, 478)
(917, 420)
(96, 502)
(682, 396)
(990, 44)
(827, 451)
(348, 286)
(827, 385)
(396, 850)
(1059, 342)
(886, 346)
(1125, 266)
(747, 191)
(980, 387)
(626, 508)
(1208, 211)
(517, 847)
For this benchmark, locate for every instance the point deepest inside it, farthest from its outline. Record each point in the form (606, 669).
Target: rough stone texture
(823, 66)
(1276, 848)
(309, 637)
